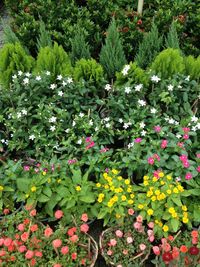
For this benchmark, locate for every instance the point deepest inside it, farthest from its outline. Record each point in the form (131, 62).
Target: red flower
(33, 262)
(48, 232)
(183, 249)
(167, 257)
(24, 236)
(194, 233)
(12, 258)
(74, 238)
(74, 256)
(57, 243)
(33, 213)
(6, 211)
(64, 250)
(59, 214)
(34, 228)
(71, 231)
(38, 254)
(84, 228)
(26, 221)
(84, 217)
(83, 261)
(21, 227)
(22, 249)
(7, 242)
(57, 265)
(194, 251)
(29, 254)
(139, 22)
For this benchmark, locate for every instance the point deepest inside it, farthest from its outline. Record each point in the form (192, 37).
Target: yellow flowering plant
(159, 199)
(115, 195)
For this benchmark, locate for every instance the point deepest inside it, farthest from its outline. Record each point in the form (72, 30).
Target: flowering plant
(115, 194)
(160, 199)
(26, 241)
(127, 243)
(179, 250)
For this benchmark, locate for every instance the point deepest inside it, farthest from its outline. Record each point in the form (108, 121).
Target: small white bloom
(176, 122)
(32, 137)
(27, 74)
(194, 119)
(179, 86)
(26, 81)
(53, 86)
(143, 133)
(194, 128)
(73, 123)
(153, 110)
(59, 77)
(81, 114)
(127, 90)
(178, 136)
(20, 73)
(130, 145)
(141, 103)
(107, 125)
(14, 77)
(69, 80)
(138, 87)
(48, 73)
(3, 141)
(121, 120)
(170, 87)
(91, 123)
(67, 130)
(64, 83)
(106, 119)
(52, 119)
(96, 129)
(38, 78)
(19, 115)
(171, 121)
(142, 125)
(155, 78)
(6, 142)
(187, 78)
(24, 112)
(60, 93)
(126, 69)
(108, 87)
(126, 125)
(52, 128)
(198, 125)
(11, 135)
(79, 142)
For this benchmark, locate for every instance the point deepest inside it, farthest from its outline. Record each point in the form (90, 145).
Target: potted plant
(128, 244)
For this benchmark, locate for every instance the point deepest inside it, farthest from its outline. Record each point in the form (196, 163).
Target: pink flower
(113, 242)
(150, 232)
(198, 155)
(198, 168)
(139, 219)
(142, 247)
(33, 212)
(183, 157)
(34, 228)
(150, 160)
(164, 144)
(22, 249)
(26, 168)
(156, 250)
(151, 238)
(6, 211)
(24, 236)
(84, 217)
(157, 129)
(180, 144)
(71, 231)
(1, 241)
(155, 156)
(57, 265)
(38, 254)
(72, 161)
(59, 214)
(186, 164)
(186, 136)
(74, 238)
(74, 256)
(125, 251)
(57, 243)
(48, 232)
(29, 254)
(131, 211)
(188, 176)
(88, 139)
(109, 252)
(103, 150)
(65, 250)
(151, 225)
(7, 242)
(137, 225)
(84, 228)
(186, 129)
(119, 233)
(21, 227)
(138, 140)
(129, 240)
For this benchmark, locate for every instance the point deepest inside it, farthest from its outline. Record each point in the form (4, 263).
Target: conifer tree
(44, 37)
(149, 48)
(172, 40)
(112, 55)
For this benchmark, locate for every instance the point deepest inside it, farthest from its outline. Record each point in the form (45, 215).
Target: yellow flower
(118, 216)
(175, 190)
(132, 195)
(154, 179)
(165, 228)
(127, 181)
(98, 185)
(185, 214)
(159, 197)
(146, 177)
(115, 171)
(78, 188)
(58, 181)
(119, 178)
(112, 188)
(163, 196)
(110, 204)
(117, 190)
(1, 188)
(129, 190)
(105, 175)
(33, 188)
(49, 180)
(100, 200)
(106, 186)
(149, 193)
(123, 198)
(161, 174)
(157, 192)
(44, 173)
(160, 224)
(162, 182)
(150, 212)
(169, 191)
(27, 195)
(185, 220)
(145, 183)
(140, 206)
(156, 221)
(120, 189)
(110, 183)
(153, 198)
(101, 195)
(174, 215)
(115, 198)
(184, 208)
(169, 177)
(130, 201)
(171, 210)
(180, 188)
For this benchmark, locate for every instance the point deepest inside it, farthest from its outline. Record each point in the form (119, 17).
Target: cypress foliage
(112, 56)
(172, 40)
(149, 48)
(192, 67)
(80, 48)
(44, 37)
(9, 35)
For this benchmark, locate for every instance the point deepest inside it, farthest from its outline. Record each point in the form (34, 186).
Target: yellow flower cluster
(1, 188)
(115, 189)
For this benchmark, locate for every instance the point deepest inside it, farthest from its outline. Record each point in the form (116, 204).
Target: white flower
(26, 81)
(64, 83)
(27, 74)
(96, 129)
(126, 125)
(187, 78)
(32, 137)
(48, 73)
(19, 115)
(126, 69)
(106, 119)
(81, 114)
(108, 87)
(179, 86)
(155, 78)
(53, 86)
(194, 128)
(198, 125)
(138, 87)
(60, 93)
(130, 145)
(52, 119)
(178, 136)
(79, 142)
(194, 119)
(52, 128)
(91, 123)
(24, 112)
(127, 90)
(3, 141)
(69, 80)
(143, 133)
(14, 77)
(107, 125)
(171, 121)
(6, 142)
(121, 120)
(20, 73)
(153, 110)
(170, 87)
(141, 103)
(67, 130)
(142, 124)
(38, 78)
(59, 77)
(73, 123)
(176, 122)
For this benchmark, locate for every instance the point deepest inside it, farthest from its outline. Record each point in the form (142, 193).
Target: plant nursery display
(99, 134)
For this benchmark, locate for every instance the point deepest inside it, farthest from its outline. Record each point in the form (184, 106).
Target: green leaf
(177, 201)
(43, 198)
(87, 198)
(194, 192)
(47, 191)
(23, 184)
(70, 204)
(102, 213)
(174, 224)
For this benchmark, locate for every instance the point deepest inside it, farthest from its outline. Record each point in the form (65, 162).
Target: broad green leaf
(174, 224)
(43, 198)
